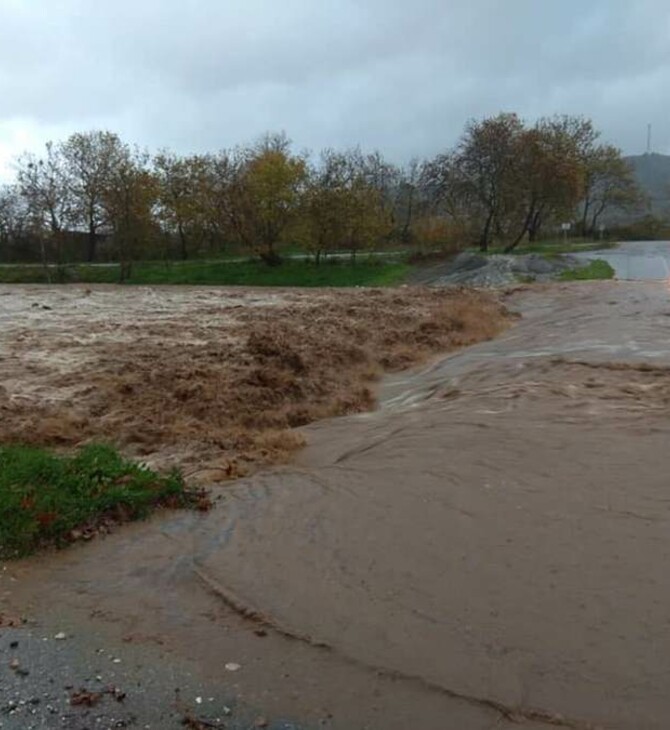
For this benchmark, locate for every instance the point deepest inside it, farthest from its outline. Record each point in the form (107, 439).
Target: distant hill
(653, 175)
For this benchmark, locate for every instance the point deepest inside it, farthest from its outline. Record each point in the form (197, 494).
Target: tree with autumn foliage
(90, 160)
(485, 173)
(129, 202)
(265, 185)
(504, 182)
(550, 178)
(344, 206)
(183, 184)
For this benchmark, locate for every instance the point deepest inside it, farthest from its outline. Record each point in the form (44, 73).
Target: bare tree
(14, 222)
(609, 184)
(43, 182)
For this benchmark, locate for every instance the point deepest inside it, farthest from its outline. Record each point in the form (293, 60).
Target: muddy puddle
(488, 548)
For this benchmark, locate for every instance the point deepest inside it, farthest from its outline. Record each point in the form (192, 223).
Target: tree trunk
(182, 242)
(45, 262)
(270, 256)
(405, 235)
(524, 230)
(535, 225)
(595, 218)
(585, 217)
(92, 241)
(516, 241)
(486, 233)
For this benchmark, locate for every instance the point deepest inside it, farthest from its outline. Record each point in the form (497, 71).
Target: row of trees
(94, 196)
(507, 182)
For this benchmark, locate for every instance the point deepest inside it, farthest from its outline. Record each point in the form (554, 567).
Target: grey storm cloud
(401, 77)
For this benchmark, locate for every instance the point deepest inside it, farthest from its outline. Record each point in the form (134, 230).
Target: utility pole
(648, 139)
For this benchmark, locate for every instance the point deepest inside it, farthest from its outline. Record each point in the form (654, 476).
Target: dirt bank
(211, 381)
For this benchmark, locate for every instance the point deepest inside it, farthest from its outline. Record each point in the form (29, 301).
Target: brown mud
(488, 549)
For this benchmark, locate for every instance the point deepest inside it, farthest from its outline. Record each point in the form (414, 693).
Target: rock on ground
(492, 271)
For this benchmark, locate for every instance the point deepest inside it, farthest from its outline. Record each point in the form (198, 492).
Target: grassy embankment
(292, 272)
(48, 500)
(596, 269)
(375, 270)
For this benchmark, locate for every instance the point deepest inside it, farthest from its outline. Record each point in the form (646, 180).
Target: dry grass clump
(232, 403)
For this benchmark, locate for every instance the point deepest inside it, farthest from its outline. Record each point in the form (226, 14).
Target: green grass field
(596, 269)
(48, 500)
(300, 273)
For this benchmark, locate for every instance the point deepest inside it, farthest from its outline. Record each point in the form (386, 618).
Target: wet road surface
(643, 260)
(488, 549)
(76, 683)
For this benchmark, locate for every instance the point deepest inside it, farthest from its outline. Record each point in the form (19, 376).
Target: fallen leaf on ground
(85, 698)
(10, 622)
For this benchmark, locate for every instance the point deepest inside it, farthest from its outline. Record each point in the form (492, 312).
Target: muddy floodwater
(488, 549)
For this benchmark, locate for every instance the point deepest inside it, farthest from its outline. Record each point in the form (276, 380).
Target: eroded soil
(488, 549)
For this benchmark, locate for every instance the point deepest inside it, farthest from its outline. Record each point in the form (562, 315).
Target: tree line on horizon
(95, 197)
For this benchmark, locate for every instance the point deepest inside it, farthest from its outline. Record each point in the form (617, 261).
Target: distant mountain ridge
(653, 175)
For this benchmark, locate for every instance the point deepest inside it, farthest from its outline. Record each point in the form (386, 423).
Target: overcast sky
(402, 76)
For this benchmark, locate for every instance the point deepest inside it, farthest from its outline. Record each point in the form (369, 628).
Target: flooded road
(636, 260)
(487, 549)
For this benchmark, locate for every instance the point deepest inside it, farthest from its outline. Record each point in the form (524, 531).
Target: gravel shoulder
(472, 269)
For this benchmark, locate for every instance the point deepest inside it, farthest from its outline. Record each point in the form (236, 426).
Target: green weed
(50, 500)
(596, 269)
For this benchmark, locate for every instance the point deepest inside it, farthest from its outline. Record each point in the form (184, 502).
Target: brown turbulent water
(213, 381)
(489, 547)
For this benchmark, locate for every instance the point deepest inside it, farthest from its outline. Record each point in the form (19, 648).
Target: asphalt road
(79, 682)
(633, 260)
